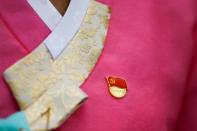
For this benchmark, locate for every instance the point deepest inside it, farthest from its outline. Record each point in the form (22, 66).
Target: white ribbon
(63, 33)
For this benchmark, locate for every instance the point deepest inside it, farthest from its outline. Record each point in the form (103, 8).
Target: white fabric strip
(47, 12)
(67, 28)
(64, 28)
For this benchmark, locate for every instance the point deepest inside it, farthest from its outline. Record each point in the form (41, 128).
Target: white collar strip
(64, 32)
(47, 12)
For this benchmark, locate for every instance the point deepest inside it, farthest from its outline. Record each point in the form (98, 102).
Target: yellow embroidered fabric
(48, 90)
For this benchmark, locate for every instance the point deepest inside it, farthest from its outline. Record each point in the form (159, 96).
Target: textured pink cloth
(151, 44)
(21, 30)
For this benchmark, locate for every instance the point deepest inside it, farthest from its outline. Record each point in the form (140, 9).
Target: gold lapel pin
(117, 87)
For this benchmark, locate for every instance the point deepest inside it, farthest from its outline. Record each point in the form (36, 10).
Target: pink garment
(151, 44)
(21, 30)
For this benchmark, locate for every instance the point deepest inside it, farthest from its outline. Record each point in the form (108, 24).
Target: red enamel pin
(117, 87)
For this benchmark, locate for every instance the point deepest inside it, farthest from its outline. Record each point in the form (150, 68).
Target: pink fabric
(21, 30)
(151, 44)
